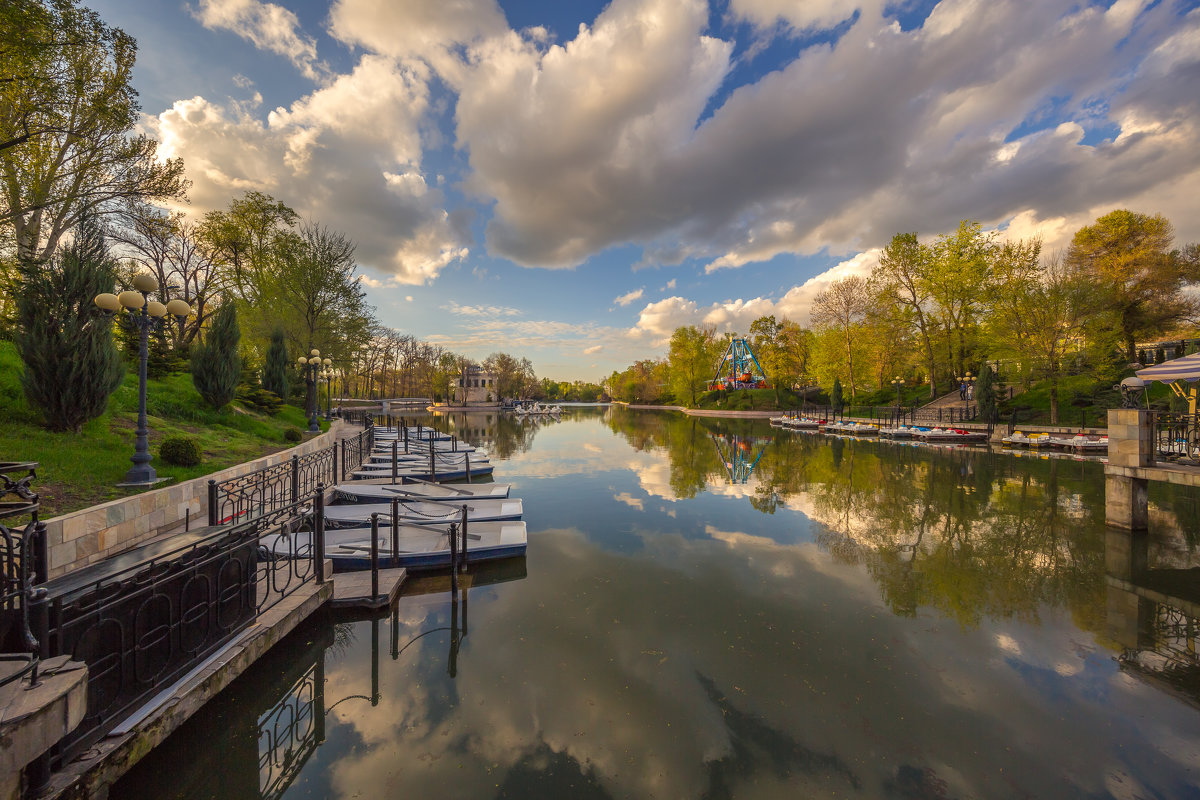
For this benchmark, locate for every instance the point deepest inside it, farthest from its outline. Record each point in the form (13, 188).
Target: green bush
(181, 451)
(292, 435)
(262, 399)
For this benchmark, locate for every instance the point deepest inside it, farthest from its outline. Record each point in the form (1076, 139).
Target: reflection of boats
(418, 547)
(365, 492)
(420, 512)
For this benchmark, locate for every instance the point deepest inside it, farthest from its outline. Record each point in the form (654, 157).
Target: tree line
(967, 302)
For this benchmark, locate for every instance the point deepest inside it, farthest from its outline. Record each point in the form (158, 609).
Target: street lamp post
(968, 381)
(146, 315)
(897, 382)
(310, 366)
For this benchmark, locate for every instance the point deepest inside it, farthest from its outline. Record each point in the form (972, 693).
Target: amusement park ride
(739, 369)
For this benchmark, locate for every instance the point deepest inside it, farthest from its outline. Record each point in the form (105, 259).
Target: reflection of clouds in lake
(646, 703)
(629, 500)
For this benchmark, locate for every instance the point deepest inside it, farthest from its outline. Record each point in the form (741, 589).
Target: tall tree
(903, 277)
(1137, 280)
(277, 370)
(961, 267)
(841, 308)
(68, 117)
(691, 359)
(65, 341)
(1035, 313)
(216, 365)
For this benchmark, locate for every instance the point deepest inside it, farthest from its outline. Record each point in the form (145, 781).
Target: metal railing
(269, 489)
(895, 415)
(1176, 436)
(22, 566)
(141, 627)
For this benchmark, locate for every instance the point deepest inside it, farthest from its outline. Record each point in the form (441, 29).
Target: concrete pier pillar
(1130, 450)
(1125, 502)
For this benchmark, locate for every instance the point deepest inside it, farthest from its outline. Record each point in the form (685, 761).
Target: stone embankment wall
(92, 534)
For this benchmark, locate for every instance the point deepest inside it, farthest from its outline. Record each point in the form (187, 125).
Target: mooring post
(395, 463)
(467, 462)
(295, 479)
(374, 555)
(405, 440)
(395, 531)
(213, 511)
(432, 467)
(319, 532)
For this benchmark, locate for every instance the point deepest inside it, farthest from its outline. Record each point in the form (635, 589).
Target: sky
(571, 181)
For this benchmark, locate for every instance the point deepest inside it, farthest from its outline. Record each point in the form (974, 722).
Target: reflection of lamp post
(146, 315)
(310, 366)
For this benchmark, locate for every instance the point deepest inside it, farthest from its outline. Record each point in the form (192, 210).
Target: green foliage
(69, 114)
(264, 400)
(65, 341)
(292, 435)
(216, 366)
(691, 361)
(1159, 355)
(836, 398)
(182, 451)
(985, 395)
(275, 377)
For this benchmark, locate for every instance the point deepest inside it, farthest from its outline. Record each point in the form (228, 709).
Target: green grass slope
(79, 470)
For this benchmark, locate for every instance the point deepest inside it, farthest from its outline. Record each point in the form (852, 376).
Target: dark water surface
(855, 619)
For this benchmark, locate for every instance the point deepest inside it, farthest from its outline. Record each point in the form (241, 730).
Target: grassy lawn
(80, 469)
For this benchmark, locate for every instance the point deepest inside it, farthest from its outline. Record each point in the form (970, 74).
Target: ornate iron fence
(267, 490)
(22, 566)
(1176, 437)
(143, 620)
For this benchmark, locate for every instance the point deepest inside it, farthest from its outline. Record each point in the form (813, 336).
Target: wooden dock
(352, 590)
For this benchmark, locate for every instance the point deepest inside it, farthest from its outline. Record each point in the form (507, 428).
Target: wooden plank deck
(352, 590)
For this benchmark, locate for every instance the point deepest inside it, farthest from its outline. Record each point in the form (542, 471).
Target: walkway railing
(269, 489)
(22, 566)
(1176, 436)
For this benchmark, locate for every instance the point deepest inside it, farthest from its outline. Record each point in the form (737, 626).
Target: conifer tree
(985, 396)
(216, 365)
(65, 341)
(836, 397)
(275, 372)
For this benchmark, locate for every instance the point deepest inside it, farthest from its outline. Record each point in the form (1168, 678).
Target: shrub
(262, 399)
(71, 365)
(182, 451)
(277, 371)
(292, 435)
(216, 365)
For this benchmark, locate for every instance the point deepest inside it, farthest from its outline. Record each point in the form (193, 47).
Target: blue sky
(569, 181)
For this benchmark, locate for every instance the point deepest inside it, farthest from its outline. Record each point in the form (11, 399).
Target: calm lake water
(719, 609)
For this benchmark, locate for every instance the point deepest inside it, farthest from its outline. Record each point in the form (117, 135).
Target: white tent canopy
(1185, 369)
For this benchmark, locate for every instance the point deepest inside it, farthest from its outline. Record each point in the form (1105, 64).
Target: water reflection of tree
(968, 532)
(501, 434)
(971, 533)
